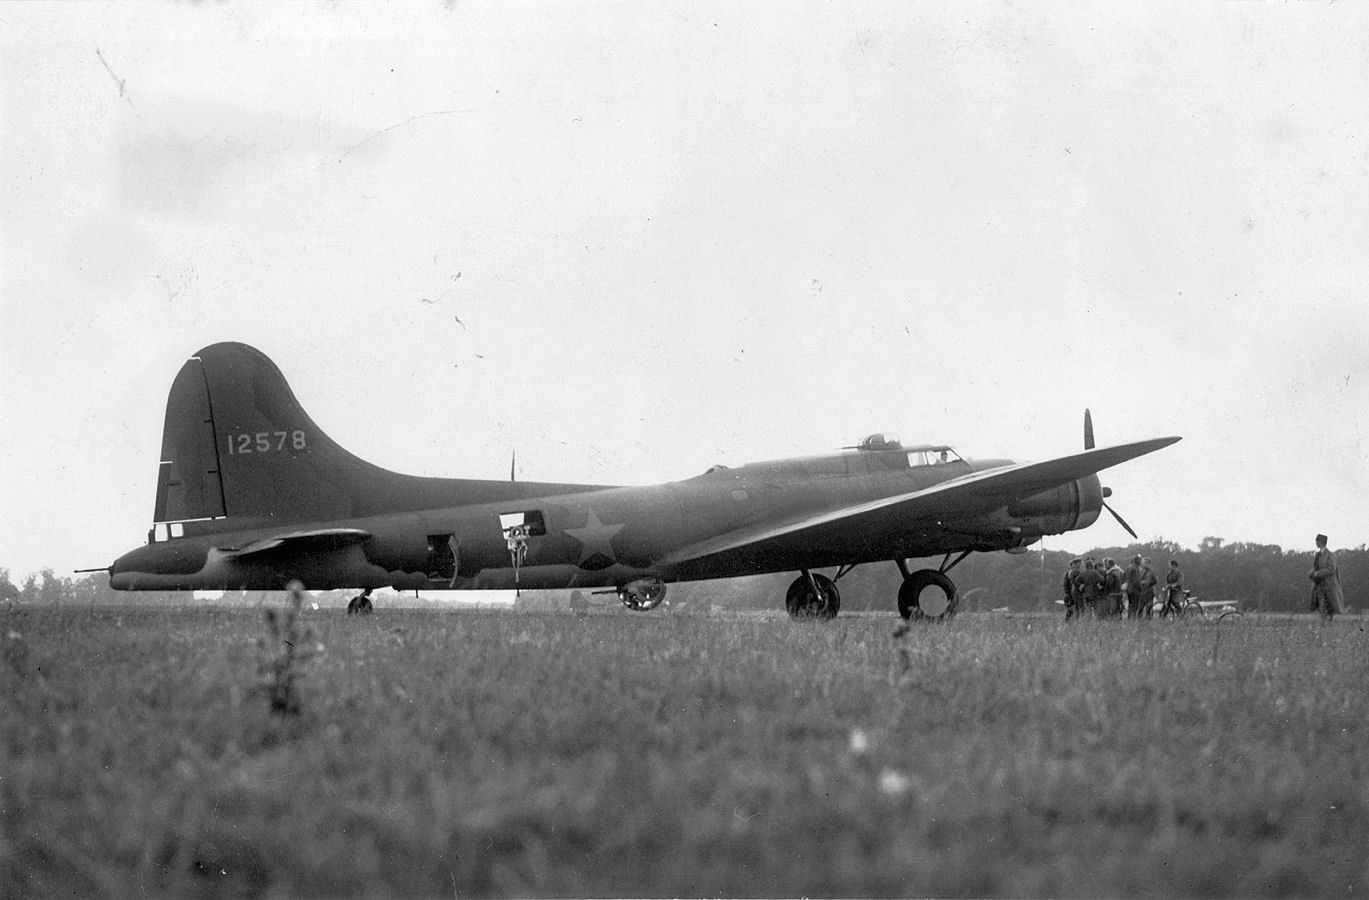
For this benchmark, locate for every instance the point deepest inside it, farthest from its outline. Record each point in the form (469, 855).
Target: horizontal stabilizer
(977, 492)
(301, 541)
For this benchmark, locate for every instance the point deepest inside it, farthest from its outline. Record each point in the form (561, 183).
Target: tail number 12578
(265, 442)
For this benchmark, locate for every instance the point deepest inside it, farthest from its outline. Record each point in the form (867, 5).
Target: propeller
(1107, 491)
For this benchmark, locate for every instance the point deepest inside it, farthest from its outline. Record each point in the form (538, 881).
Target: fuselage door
(443, 557)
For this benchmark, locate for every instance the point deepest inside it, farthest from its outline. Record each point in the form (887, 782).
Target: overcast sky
(632, 241)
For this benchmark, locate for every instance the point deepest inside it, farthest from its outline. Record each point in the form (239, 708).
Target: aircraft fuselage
(607, 536)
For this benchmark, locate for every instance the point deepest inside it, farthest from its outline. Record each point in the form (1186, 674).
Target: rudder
(189, 485)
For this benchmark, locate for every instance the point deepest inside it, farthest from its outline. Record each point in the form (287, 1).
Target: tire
(801, 604)
(927, 596)
(643, 601)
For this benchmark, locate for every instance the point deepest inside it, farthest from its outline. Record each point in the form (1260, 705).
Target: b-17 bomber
(251, 494)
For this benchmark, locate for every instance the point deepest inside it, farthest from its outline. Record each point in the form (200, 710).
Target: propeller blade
(1107, 492)
(1121, 521)
(513, 461)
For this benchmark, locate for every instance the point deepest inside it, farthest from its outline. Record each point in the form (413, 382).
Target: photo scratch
(376, 134)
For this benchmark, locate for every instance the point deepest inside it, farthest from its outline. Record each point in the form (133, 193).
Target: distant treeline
(1259, 576)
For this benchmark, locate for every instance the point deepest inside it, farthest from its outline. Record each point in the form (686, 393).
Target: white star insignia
(595, 538)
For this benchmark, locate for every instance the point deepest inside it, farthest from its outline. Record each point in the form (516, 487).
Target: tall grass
(491, 754)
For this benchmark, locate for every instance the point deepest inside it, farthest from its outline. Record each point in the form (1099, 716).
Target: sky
(632, 241)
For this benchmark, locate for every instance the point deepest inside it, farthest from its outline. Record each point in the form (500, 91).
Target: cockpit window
(718, 468)
(933, 456)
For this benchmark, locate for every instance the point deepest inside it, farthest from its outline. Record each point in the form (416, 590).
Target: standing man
(1086, 587)
(1112, 588)
(1068, 586)
(1174, 590)
(1131, 585)
(1326, 592)
(1148, 583)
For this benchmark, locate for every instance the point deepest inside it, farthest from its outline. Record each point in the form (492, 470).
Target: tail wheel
(803, 603)
(927, 596)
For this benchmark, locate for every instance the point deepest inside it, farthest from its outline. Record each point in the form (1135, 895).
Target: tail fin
(237, 445)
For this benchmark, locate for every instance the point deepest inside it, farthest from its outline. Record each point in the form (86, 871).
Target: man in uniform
(1067, 584)
(1086, 587)
(1148, 582)
(1174, 590)
(1112, 589)
(1326, 591)
(1131, 584)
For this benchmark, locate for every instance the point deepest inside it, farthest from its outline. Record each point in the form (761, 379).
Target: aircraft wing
(318, 539)
(977, 492)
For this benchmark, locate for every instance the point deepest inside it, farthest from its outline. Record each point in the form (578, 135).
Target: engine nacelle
(1066, 508)
(642, 594)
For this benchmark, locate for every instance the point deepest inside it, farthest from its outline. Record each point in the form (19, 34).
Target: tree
(53, 589)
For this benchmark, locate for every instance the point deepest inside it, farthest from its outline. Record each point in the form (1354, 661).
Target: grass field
(504, 753)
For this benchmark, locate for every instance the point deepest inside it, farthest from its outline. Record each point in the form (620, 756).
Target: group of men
(1105, 590)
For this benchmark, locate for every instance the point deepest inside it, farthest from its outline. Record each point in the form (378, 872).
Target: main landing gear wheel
(360, 605)
(927, 596)
(803, 603)
(643, 598)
